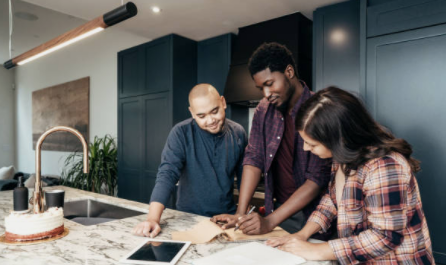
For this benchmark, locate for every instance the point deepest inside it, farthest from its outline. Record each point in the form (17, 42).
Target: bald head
(203, 90)
(207, 108)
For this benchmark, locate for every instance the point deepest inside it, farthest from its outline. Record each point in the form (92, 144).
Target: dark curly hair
(271, 55)
(340, 121)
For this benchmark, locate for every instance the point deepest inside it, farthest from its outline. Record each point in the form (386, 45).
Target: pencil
(250, 211)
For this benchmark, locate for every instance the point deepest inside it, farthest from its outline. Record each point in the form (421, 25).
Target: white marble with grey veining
(104, 243)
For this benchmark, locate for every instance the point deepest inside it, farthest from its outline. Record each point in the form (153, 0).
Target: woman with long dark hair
(373, 192)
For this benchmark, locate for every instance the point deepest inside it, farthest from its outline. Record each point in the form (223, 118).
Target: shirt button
(281, 118)
(278, 137)
(270, 155)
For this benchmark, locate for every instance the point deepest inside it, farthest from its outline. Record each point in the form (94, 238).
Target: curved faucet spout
(38, 198)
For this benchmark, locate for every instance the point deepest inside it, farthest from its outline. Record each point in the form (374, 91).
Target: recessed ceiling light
(156, 9)
(26, 16)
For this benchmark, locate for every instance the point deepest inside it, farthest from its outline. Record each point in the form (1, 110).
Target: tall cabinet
(393, 53)
(154, 80)
(406, 62)
(336, 50)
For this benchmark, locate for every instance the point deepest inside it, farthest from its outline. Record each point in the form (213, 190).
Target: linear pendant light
(94, 26)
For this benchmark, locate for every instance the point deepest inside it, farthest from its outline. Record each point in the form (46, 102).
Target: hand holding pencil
(249, 212)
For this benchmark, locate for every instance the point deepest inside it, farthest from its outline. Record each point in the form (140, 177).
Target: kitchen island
(104, 243)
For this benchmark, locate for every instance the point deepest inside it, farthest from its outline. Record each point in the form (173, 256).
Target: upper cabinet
(336, 51)
(214, 58)
(158, 65)
(385, 17)
(150, 67)
(130, 72)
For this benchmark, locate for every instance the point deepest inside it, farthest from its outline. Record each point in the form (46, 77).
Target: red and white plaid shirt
(380, 216)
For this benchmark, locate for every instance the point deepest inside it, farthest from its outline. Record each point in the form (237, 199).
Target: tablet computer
(157, 251)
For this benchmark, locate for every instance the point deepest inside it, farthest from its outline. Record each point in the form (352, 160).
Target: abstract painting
(65, 104)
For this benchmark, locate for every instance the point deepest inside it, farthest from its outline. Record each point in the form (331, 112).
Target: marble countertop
(104, 243)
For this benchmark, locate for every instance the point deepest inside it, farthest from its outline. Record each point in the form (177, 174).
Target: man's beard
(284, 106)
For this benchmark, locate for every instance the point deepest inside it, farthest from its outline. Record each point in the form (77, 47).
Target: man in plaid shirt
(294, 178)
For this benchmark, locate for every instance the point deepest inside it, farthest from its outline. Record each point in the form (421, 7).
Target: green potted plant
(103, 162)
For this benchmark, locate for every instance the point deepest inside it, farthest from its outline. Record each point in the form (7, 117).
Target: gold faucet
(38, 198)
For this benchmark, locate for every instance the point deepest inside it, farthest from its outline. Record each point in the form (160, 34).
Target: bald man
(202, 154)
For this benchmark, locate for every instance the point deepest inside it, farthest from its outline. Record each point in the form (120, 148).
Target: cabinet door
(129, 148)
(130, 72)
(214, 58)
(158, 65)
(406, 92)
(336, 46)
(157, 125)
(396, 16)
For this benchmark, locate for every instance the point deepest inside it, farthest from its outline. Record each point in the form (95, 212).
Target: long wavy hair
(339, 121)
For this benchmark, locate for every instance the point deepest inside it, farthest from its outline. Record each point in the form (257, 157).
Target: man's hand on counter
(149, 228)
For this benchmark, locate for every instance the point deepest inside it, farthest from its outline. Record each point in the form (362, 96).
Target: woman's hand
(279, 241)
(300, 248)
(298, 245)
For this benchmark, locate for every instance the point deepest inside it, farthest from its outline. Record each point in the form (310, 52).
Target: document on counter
(251, 253)
(206, 230)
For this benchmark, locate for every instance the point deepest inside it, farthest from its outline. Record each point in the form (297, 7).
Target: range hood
(294, 31)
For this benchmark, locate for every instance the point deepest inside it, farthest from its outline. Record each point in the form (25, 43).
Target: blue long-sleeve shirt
(204, 164)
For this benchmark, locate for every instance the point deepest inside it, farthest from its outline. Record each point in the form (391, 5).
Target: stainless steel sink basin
(90, 212)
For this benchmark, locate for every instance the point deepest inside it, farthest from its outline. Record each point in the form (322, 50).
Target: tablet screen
(158, 251)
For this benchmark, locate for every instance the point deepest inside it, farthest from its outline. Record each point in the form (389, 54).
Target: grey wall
(96, 57)
(7, 136)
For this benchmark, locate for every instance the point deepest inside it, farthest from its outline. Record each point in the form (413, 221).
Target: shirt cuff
(319, 178)
(320, 219)
(252, 162)
(342, 250)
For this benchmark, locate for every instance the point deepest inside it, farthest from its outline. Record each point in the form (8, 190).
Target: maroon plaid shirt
(266, 133)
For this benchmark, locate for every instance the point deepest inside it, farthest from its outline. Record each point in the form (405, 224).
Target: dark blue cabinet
(157, 70)
(130, 72)
(336, 49)
(154, 80)
(386, 17)
(214, 58)
(129, 142)
(156, 126)
(405, 92)
(393, 53)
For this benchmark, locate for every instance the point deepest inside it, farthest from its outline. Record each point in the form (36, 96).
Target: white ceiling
(195, 19)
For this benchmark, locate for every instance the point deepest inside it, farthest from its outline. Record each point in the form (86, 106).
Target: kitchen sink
(91, 212)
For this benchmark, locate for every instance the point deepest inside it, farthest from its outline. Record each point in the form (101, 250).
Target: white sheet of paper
(251, 253)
